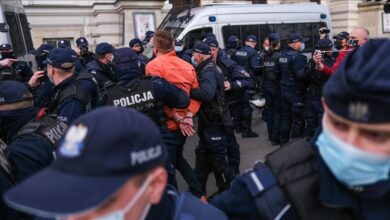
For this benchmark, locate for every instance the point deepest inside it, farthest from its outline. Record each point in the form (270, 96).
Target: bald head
(362, 35)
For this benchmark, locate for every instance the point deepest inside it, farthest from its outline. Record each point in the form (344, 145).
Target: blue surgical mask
(194, 63)
(121, 214)
(349, 164)
(302, 46)
(179, 48)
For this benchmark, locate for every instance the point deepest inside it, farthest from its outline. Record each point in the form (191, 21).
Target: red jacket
(330, 70)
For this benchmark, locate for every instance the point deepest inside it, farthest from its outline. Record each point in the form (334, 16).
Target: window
(308, 30)
(196, 36)
(54, 41)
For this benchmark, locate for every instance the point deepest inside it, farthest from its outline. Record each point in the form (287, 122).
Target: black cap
(81, 41)
(61, 58)
(13, 91)
(135, 41)
(325, 43)
(360, 88)
(296, 37)
(104, 48)
(342, 35)
(202, 48)
(99, 153)
(5, 47)
(63, 44)
(211, 41)
(43, 49)
(274, 37)
(252, 38)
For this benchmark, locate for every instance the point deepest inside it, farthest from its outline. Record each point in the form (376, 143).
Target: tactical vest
(271, 72)
(87, 76)
(287, 187)
(49, 127)
(288, 78)
(6, 167)
(139, 95)
(242, 58)
(231, 52)
(188, 207)
(74, 91)
(216, 111)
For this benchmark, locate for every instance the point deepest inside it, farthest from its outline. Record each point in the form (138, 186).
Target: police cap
(211, 41)
(252, 38)
(135, 41)
(5, 47)
(202, 48)
(149, 34)
(104, 48)
(296, 37)
(233, 39)
(342, 35)
(61, 58)
(325, 43)
(274, 37)
(99, 153)
(360, 88)
(43, 49)
(81, 41)
(63, 44)
(12, 91)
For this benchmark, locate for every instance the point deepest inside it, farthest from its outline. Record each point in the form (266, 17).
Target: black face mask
(13, 120)
(5, 55)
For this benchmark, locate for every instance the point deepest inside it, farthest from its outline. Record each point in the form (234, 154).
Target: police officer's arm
(299, 66)
(207, 88)
(70, 109)
(236, 202)
(240, 78)
(170, 94)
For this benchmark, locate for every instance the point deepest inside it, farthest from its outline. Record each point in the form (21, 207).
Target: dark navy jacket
(103, 73)
(249, 59)
(208, 83)
(292, 68)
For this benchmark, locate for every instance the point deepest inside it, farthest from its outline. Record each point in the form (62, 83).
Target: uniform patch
(241, 53)
(359, 111)
(73, 143)
(283, 60)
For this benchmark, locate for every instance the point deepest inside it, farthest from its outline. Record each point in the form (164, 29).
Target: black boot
(247, 132)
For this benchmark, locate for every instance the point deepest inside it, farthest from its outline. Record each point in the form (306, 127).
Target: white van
(225, 20)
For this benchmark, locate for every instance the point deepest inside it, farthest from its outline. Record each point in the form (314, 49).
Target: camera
(324, 30)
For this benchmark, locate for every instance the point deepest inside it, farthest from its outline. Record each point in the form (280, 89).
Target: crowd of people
(100, 135)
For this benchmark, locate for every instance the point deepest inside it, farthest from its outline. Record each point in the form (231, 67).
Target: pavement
(252, 150)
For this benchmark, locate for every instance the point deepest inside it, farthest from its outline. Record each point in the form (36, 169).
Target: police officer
(250, 60)
(102, 68)
(19, 70)
(155, 93)
(345, 167)
(84, 55)
(111, 162)
(293, 75)
(233, 45)
(64, 43)
(236, 80)
(69, 99)
(136, 45)
(214, 121)
(181, 52)
(316, 81)
(271, 86)
(31, 140)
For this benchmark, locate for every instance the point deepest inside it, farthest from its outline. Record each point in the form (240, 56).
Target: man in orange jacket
(182, 74)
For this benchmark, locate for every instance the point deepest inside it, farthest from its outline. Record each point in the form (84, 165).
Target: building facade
(118, 21)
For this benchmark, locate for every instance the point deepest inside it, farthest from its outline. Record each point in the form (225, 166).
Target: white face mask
(121, 213)
(112, 58)
(266, 48)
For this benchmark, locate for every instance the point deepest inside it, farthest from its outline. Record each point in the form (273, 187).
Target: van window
(308, 30)
(196, 36)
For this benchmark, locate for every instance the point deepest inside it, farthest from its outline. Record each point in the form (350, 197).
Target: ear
(158, 184)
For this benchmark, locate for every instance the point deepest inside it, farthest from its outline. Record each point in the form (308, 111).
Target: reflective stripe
(281, 213)
(257, 182)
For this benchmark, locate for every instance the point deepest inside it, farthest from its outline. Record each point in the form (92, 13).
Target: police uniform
(92, 164)
(214, 122)
(19, 71)
(181, 52)
(292, 83)
(31, 141)
(316, 81)
(85, 56)
(142, 59)
(271, 87)
(250, 60)
(233, 46)
(239, 80)
(68, 99)
(103, 73)
(306, 181)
